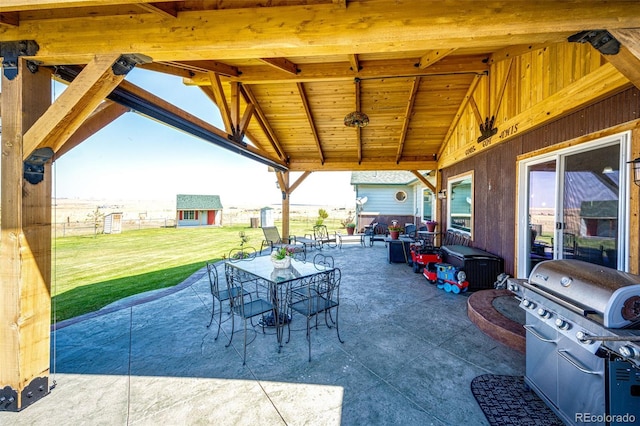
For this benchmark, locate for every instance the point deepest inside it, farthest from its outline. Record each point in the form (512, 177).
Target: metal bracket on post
(602, 40)
(126, 63)
(35, 390)
(11, 51)
(34, 165)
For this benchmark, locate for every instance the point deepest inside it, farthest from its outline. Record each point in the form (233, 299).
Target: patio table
(279, 283)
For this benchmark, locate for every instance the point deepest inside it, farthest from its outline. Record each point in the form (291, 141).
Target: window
(460, 203)
(401, 196)
(189, 215)
(427, 205)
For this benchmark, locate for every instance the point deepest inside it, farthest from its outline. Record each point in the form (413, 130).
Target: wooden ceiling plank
(221, 101)
(312, 30)
(282, 64)
(424, 180)
(106, 113)
(73, 105)
(468, 98)
(407, 117)
(312, 124)
(434, 56)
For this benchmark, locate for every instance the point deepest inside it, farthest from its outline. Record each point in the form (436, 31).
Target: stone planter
(281, 263)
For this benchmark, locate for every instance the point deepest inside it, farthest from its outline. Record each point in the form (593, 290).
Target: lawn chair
(273, 240)
(322, 237)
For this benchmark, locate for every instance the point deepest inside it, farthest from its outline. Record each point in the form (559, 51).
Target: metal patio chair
(217, 294)
(324, 237)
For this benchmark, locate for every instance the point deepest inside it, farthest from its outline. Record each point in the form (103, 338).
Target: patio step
(482, 312)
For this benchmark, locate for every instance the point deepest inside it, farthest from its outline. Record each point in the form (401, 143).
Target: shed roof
(383, 178)
(198, 202)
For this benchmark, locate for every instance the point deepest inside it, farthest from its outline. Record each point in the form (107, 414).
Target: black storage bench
(482, 268)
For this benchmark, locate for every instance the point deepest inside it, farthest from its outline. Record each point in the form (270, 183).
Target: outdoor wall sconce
(442, 195)
(636, 170)
(33, 170)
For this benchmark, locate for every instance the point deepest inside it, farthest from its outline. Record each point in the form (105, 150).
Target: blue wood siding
(381, 199)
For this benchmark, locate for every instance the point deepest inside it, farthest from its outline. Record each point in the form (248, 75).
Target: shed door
(211, 217)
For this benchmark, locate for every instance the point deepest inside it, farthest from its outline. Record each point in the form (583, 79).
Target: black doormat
(506, 400)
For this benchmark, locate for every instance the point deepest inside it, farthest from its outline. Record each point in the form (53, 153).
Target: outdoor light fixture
(636, 170)
(356, 119)
(442, 195)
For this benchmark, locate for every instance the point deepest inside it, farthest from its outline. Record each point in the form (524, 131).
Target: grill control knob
(513, 287)
(544, 313)
(528, 304)
(629, 352)
(562, 324)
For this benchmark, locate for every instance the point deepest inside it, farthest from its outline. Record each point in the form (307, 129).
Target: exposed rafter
(312, 124)
(407, 117)
(11, 19)
(282, 64)
(165, 9)
(433, 56)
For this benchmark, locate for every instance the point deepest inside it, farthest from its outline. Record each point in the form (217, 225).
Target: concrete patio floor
(409, 356)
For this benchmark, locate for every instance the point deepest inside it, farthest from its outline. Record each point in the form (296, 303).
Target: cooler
(482, 268)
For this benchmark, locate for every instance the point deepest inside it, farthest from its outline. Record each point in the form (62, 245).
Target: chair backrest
(242, 253)
(213, 279)
(410, 230)
(320, 232)
(321, 261)
(271, 234)
(329, 286)
(381, 229)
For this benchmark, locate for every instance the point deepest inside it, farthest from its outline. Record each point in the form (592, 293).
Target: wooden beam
(235, 111)
(343, 71)
(355, 63)
(59, 4)
(468, 99)
(11, 19)
(284, 185)
(348, 164)
(169, 68)
(312, 124)
(513, 51)
(503, 87)
(407, 117)
(358, 129)
(320, 29)
(74, 105)
(264, 123)
(106, 113)
(246, 118)
(166, 9)
(25, 246)
(599, 84)
(205, 66)
(221, 101)
(434, 56)
(299, 181)
(282, 64)
(627, 64)
(424, 180)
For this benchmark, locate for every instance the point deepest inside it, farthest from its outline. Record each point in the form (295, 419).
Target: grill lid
(612, 294)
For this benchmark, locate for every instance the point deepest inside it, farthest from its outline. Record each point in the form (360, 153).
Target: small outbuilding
(113, 223)
(198, 210)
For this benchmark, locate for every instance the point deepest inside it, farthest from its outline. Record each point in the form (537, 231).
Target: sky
(136, 158)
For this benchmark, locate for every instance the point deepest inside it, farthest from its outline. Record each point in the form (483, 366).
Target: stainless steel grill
(583, 339)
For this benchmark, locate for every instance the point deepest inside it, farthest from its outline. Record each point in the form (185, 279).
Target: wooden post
(285, 205)
(25, 248)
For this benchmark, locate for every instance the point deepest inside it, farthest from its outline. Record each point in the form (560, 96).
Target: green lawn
(90, 272)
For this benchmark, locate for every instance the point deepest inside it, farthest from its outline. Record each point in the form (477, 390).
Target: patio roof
(410, 352)
(285, 74)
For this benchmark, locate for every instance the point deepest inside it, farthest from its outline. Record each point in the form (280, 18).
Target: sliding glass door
(575, 204)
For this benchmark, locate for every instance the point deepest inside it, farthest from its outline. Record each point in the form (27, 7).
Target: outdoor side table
(398, 251)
